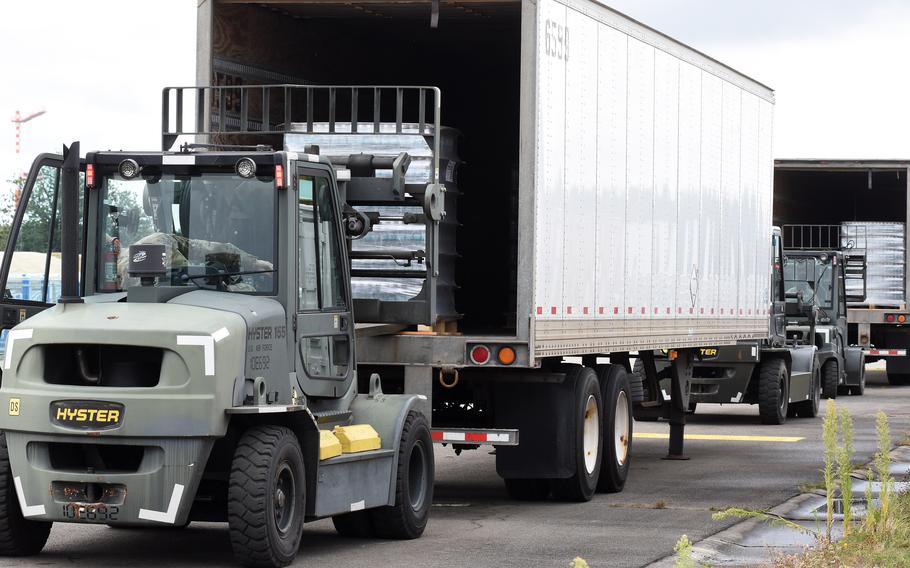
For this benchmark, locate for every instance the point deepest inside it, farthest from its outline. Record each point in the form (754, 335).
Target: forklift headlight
(245, 168)
(128, 168)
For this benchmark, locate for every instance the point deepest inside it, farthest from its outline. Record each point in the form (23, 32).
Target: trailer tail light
(899, 318)
(90, 176)
(506, 355)
(279, 176)
(889, 318)
(480, 354)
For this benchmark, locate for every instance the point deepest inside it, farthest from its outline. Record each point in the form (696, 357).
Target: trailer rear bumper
(885, 352)
(475, 437)
(128, 481)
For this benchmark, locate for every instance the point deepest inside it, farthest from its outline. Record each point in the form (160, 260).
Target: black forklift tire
(860, 389)
(898, 379)
(589, 438)
(407, 518)
(773, 391)
(528, 489)
(616, 395)
(830, 378)
(18, 536)
(354, 525)
(266, 497)
(809, 408)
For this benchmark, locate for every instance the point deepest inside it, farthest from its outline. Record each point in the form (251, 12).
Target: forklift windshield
(810, 278)
(215, 224)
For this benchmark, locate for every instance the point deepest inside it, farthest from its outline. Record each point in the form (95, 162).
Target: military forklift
(817, 263)
(780, 375)
(206, 371)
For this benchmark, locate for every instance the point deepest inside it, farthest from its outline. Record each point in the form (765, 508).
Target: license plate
(90, 512)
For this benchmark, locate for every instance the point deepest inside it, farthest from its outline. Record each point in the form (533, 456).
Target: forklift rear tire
(809, 408)
(266, 497)
(589, 437)
(860, 389)
(773, 391)
(407, 518)
(616, 393)
(18, 536)
(528, 489)
(830, 378)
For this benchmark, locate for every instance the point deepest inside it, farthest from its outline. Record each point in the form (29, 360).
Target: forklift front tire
(830, 378)
(18, 536)
(266, 497)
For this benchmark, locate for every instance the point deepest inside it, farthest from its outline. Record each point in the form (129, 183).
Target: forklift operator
(210, 224)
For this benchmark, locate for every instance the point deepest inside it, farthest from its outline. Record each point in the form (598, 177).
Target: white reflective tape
(666, 396)
(292, 155)
(207, 342)
(168, 516)
(11, 338)
(312, 157)
(179, 160)
(358, 506)
(27, 511)
(497, 437)
(453, 436)
(343, 175)
(220, 334)
(270, 409)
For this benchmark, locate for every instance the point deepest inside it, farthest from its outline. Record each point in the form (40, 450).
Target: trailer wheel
(898, 379)
(528, 489)
(354, 525)
(644, 413)
(266, 496)
(773, 391)
(589, 440)
(830, 378)
(407, 518)
(18, 536)
(616, 394)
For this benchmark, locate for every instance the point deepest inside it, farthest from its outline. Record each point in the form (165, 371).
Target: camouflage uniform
(183, 251)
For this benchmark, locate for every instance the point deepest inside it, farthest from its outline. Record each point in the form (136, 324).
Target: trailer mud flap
(538, 410)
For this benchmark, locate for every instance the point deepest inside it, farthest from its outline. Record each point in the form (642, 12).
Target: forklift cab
(816, 297)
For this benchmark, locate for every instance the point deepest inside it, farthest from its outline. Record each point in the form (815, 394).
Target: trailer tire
(830, 378)
(266, 497)
(643, 413)
(354, 525)
(898, 379)
(528, 489)
(589, 438)
(616, 395)
(773, 391)
(407, 518)
(18, 536)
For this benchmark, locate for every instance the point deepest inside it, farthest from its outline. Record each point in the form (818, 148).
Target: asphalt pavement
(474, 524)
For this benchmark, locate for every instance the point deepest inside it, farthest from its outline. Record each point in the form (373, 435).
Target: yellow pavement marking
(722, 437)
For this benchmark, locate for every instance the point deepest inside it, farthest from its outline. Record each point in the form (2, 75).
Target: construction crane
(19, 120)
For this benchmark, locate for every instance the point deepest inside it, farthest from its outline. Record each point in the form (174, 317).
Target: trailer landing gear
(680, 379)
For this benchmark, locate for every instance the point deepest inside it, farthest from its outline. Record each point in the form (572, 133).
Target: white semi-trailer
(566, 182)
(609, 191)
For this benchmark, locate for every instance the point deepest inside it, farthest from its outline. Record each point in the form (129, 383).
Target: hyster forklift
(207, 371)
(804, 358)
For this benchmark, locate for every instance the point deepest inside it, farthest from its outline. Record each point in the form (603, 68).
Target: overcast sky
(97, 67)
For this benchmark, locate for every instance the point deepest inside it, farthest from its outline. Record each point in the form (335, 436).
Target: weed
(829, 436)
(844, 468)
(683, 550)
